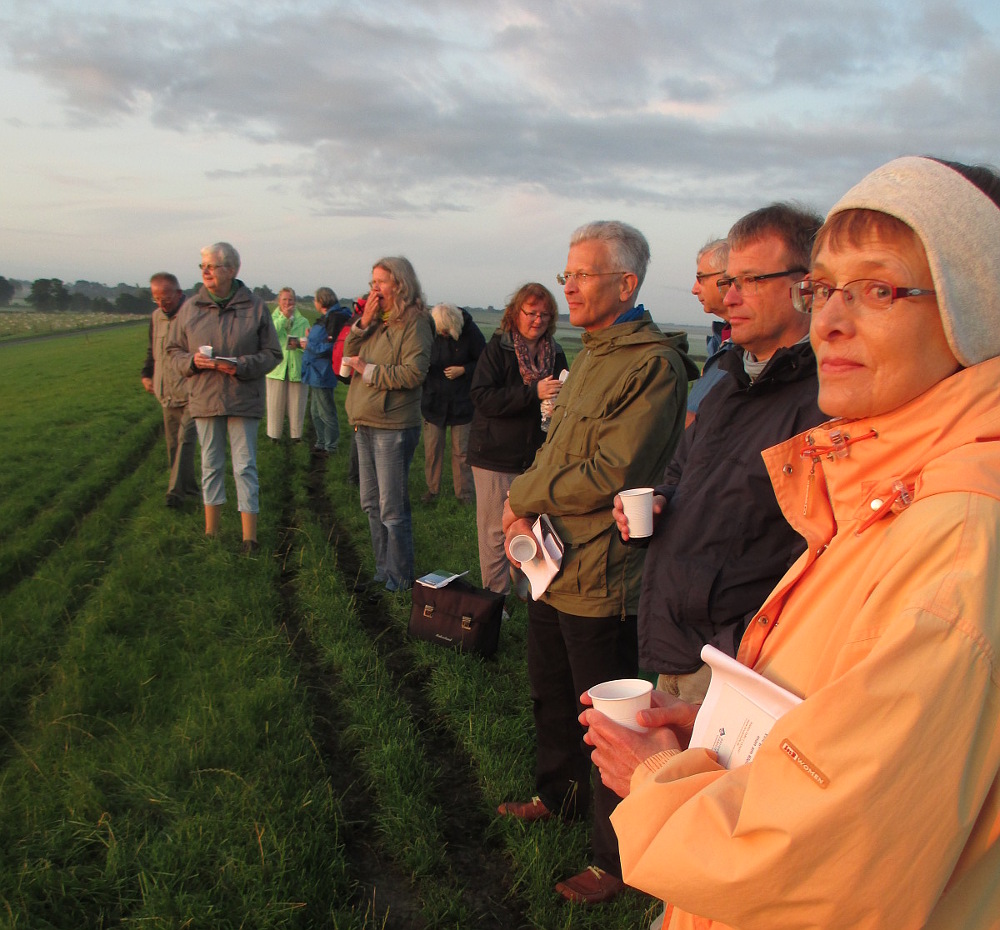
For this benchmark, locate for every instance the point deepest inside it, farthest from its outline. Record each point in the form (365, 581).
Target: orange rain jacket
(875, 802)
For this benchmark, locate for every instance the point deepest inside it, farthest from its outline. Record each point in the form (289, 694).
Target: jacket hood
(240, 293)
(959, 227)
(640, 332)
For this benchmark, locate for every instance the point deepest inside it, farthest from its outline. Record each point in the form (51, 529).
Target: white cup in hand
(523, 548)
(622, 699)
(637, 503)
(206, 351)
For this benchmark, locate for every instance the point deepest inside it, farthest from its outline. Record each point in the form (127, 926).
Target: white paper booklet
(545, 565)
(439, 578)
(739, 709)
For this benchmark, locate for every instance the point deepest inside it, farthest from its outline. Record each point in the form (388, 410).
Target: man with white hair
(711, 265)
(614, 425)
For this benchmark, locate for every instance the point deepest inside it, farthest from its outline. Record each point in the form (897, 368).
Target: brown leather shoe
(525, 810)
(591, 886)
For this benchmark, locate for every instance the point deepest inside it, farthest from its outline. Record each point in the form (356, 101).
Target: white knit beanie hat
(959, 227)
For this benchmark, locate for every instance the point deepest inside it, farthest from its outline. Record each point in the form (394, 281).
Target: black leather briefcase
(458, 615)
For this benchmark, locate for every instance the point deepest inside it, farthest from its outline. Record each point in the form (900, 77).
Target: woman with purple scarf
(518, 369)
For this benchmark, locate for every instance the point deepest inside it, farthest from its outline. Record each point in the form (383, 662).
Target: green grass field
(191, 738)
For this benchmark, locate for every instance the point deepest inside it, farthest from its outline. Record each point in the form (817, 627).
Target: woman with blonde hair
(389, 348)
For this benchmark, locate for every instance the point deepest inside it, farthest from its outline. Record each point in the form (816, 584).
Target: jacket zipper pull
(809, 484)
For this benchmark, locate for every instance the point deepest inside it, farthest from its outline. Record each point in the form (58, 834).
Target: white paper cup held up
(345, 369)
(206, 351)
(622, 699)
(523, 548)
(638, 506)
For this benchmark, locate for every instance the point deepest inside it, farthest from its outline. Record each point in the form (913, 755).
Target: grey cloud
(427, 105)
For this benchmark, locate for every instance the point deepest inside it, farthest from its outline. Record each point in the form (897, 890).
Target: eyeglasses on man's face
(208, 266)
(808, 295)
(581, 276)
(702, 276)
(747, 283)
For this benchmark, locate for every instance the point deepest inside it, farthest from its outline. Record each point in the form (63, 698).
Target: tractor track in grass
(15, 566)
(476, 859)
(382, 889)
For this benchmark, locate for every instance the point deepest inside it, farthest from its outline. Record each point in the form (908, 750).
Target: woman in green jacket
(286, 394)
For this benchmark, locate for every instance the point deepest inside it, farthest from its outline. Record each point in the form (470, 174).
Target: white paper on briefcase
(739, 709)
(545, 565)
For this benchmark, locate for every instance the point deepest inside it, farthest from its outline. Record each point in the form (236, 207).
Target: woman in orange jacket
(875, 802)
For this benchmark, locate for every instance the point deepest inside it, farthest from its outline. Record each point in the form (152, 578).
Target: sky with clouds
(471, 136)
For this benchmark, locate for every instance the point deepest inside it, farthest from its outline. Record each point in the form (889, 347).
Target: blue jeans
(243, 447)
(384, 457)
(324, 416)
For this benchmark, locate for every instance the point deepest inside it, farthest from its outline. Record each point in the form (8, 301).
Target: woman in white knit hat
(875, 802)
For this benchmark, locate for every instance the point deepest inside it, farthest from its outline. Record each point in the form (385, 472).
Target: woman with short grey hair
(445, 402)
(225, 343)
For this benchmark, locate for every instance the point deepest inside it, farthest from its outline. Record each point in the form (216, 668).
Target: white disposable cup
(622, 699)
(206, 351)
(523, 548)
(638, 506)
(345, 369)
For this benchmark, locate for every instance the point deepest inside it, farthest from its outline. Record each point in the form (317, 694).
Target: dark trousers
(567, 655)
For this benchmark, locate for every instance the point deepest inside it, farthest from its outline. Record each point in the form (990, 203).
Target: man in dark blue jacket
(719, 540)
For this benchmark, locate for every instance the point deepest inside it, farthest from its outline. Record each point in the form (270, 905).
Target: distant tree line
(53, 295)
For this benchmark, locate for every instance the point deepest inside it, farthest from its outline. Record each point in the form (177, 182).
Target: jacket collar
(844, 475)
(791, 363)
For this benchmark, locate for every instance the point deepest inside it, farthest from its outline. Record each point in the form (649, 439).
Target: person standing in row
(720, 542)
(615, 424)
(224, 342)
(171, 390)
(711, 265)
(516, 372)
(285, 391)
(445, 400)
(389, 348)
(317, 370)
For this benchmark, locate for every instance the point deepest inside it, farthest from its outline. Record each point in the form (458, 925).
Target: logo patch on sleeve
(804, 764)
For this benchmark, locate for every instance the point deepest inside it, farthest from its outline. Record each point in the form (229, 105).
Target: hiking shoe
(249, 547)
(591, 886)
(428, 498)
(527, 811)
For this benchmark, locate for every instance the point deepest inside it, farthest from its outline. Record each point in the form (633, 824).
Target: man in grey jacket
(170, 389)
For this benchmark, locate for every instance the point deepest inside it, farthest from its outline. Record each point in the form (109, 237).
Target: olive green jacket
(615, 425)
(396, 356)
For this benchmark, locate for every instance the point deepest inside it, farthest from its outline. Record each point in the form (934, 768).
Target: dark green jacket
(615, 425)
